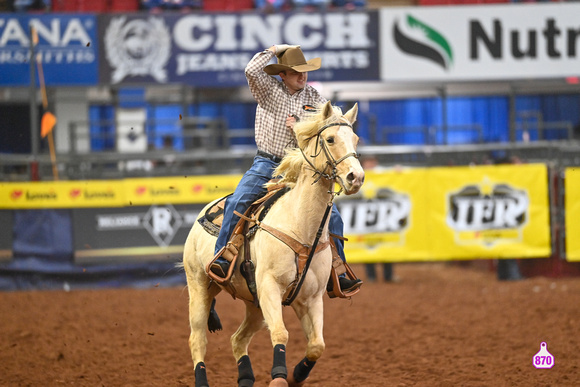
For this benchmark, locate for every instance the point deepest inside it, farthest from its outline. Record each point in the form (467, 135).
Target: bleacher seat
(227, 5)
(124, 5)
(460, 2)
(80, 5)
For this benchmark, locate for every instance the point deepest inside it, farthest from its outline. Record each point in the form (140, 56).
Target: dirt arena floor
(438, 325)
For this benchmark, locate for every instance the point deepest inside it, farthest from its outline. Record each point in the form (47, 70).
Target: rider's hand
(280, 48)
(290, 121)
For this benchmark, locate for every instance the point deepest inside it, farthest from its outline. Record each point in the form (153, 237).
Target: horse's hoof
(293, 383)
(245, 383)
(278, 382)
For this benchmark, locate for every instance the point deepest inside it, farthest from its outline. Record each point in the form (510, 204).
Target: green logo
(432, 46)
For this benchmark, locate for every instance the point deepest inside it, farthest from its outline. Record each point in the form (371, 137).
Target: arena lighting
(572, 80)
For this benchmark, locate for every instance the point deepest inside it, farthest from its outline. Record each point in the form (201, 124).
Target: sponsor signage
(381, 221)
(184, 189)
(67, 48)
(572, 211)
(402, 214)
(449, 213)
(62, 194)
(155, 233)
(489, 212)
(116, 193)
(212, 49)
(480, 42)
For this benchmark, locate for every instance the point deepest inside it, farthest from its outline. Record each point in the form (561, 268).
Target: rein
(292, 296)
(333, 163)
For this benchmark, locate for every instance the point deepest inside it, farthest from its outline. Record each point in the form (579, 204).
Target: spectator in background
(348, 4)
(31, 5)
(158, 5)
(371, 163)
(371, 272)
(508, 269)
(310, 5)
(272, 5)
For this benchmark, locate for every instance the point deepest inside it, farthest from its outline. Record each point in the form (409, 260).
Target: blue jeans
(250, 188)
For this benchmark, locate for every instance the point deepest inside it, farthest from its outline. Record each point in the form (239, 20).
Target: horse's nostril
(350, 177)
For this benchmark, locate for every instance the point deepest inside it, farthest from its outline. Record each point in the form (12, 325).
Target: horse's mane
(290, 166)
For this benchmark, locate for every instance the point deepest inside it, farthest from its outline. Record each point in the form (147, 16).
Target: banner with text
(213, 49)
(66, 48)
(403, 214)
(116, 193)
(480, 42)
(572, 211)
(136, 233)
(449, 213)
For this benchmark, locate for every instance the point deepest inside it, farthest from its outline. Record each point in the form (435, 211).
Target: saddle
(244, 231)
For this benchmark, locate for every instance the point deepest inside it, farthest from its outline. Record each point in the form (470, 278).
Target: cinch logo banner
(572, 210)
(213, 49)
(479, 42)
(65, 194)
(449, 213)
(67, 48)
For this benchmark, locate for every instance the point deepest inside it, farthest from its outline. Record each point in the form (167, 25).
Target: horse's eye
(330, 140)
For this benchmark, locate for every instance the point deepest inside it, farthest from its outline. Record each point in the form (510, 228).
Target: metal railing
(430, 135)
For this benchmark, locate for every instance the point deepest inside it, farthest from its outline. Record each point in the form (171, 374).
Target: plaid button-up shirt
(275, 103)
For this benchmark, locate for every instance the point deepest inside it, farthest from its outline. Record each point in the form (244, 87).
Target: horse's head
(329, 143)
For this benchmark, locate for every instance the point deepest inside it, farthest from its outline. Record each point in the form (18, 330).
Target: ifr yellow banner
(449, 213)
(386, 221)
(496, 211)
(572, 209)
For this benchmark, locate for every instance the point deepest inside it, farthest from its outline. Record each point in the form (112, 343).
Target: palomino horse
(326, 155)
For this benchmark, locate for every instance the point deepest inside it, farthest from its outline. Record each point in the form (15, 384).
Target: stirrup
(215, 277)
(336, 290)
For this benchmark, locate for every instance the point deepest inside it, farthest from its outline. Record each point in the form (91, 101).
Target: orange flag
(47, 124)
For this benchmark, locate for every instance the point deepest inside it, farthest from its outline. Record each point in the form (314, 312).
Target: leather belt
(275, 159)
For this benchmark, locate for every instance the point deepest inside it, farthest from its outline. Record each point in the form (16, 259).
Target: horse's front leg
(311, 314)
(240, 341)
(200, 301)
(271, 305)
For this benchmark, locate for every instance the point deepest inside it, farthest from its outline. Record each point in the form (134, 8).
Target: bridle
(332, 163)
(330, 160)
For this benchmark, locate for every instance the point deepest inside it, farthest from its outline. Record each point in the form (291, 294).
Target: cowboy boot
(220, 268)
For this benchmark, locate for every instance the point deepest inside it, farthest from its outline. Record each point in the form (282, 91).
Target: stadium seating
(101, 6)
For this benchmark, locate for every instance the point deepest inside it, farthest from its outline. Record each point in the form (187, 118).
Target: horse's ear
(351, 114)
(327, 110)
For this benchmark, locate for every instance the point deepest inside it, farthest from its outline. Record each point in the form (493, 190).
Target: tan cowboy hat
(293, 59)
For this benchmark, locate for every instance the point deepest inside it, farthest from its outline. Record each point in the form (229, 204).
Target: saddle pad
(211, 221)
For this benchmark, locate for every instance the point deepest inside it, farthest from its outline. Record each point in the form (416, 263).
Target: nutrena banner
(480, 42)
(572, 211)
(213, 49)
(402, 215)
